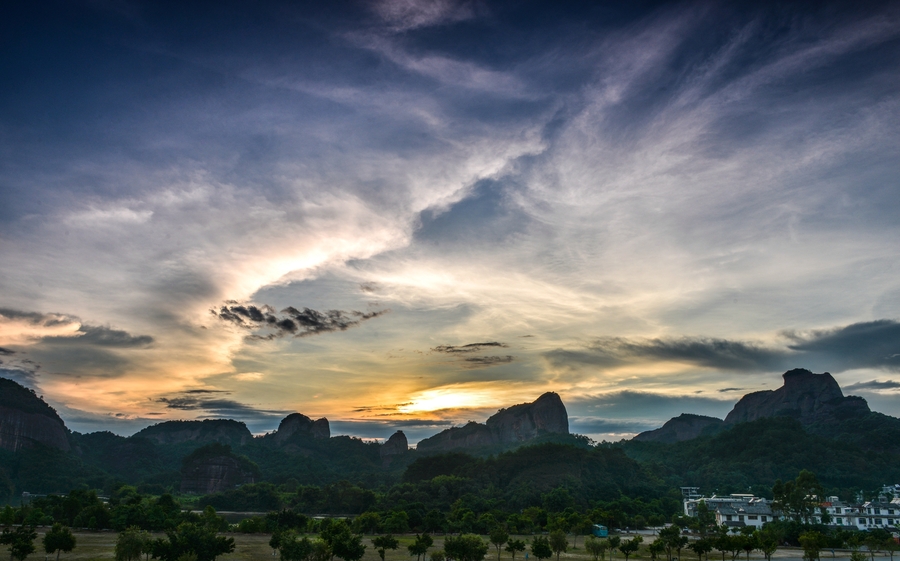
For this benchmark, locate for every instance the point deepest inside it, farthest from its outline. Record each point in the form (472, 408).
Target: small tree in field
(631, 546)
(597, 548)
(498, 537)
(558, 542)
(513, 546)
(383, 543)
(20, 541)
(420, 546)
(540, 547)
(58, 539)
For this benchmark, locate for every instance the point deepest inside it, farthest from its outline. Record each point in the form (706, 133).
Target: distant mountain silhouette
(517, 424)
(683, 427)
(26, 420)
(815, 400)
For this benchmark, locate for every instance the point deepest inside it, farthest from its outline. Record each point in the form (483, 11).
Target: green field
(101, 545)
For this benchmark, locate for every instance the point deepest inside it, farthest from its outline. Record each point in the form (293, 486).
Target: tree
(614, 543)
(812, 543)
(701, 547)
(767, 540)
(383, 543)
(20, 541)
(630, 546)
(656, 548)
(58, 539)
(132, 543)
(420, 546)
(191, 538)
(465, 547)
(596, 547)
(498, 537)
(672, 540)
(293, 549)
(798, 498)
(558, 542)
(876, 539)
(367, 523)
(891, 546)
(540, 547)
(513, 546)
(349, 547)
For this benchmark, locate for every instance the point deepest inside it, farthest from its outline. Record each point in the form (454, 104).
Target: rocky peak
(684, 427)
(525, 421)
(810, 398)
(396, 445)
(519, 423)
(298, 423)
(26, 420)
(223, 431)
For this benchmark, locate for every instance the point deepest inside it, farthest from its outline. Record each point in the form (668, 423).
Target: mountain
(683, 427)
(812, 399)
(25, 420)
(214, 468)
(297, 423)
(815, 400)
(515, 425)
(223, 431)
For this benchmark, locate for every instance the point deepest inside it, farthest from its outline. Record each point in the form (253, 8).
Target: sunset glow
(400, 214)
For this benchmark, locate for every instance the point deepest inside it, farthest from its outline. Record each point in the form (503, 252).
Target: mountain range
(39, 454)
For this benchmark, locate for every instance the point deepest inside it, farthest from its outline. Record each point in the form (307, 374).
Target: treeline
(751, 456)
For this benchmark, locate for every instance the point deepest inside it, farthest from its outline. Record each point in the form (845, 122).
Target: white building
(740, 510)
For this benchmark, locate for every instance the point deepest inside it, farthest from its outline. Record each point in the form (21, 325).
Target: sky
(406, 214)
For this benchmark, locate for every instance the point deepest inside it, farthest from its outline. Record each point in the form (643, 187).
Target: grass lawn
(255, 547)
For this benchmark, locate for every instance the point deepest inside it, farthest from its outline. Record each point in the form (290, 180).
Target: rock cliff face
(519, 423)
(297, 423)
(810, 398)
(684, 427)
(223, 431)
(214, 474)
(395, 446)
(25, 420)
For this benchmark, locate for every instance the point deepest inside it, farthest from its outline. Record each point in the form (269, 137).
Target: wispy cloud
(290, 321)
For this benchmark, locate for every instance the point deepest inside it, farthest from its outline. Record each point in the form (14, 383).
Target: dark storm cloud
(873, 385)
(874, 344)
(290, 321)
(6, 352)
(726, 390)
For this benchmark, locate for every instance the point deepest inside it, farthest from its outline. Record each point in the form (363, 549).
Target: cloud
(470, 348)
(403, 15)
(196, 400)
(461, 352)
(486, 361)
(873, 385)
(102, 337)
(726, 390)
(700, 351)
(873, 344)
(6, 352)
(630, 404)
(290, 321)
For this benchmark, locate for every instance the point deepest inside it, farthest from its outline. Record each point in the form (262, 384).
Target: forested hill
(753, 455)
